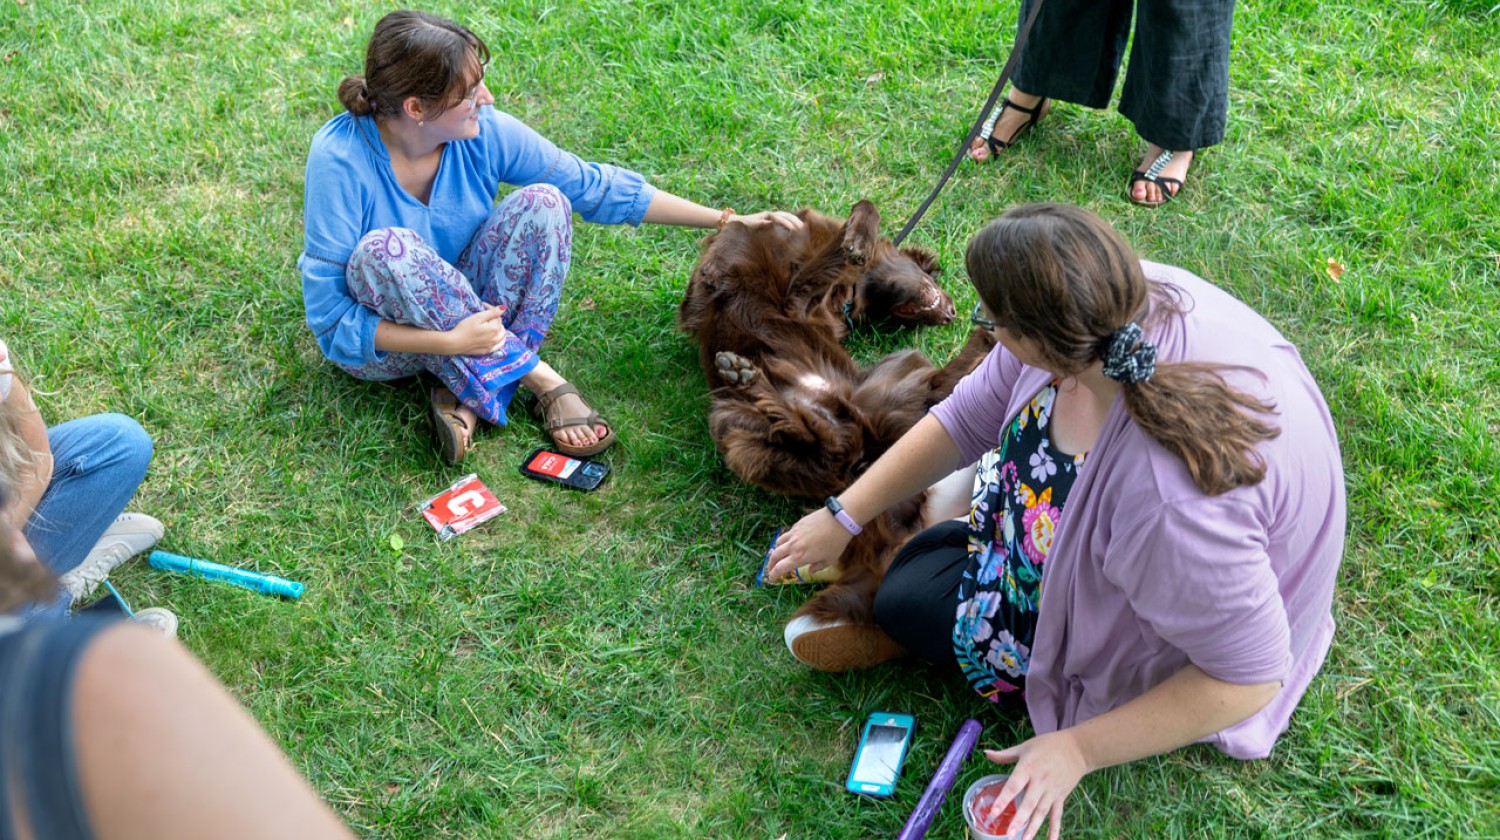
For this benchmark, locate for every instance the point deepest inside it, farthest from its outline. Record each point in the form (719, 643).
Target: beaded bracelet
(724, 217)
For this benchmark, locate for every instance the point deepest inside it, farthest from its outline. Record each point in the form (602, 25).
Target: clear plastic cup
(977, 801)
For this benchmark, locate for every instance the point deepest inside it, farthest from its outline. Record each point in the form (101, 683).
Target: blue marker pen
(263, 583)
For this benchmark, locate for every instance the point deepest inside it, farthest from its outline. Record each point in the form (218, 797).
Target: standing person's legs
(1073, 53)
(1177, 85)
(1074, 50)
(99, 462)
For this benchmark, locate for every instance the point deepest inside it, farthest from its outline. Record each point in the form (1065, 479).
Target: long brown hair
(415, 54)
(1063, 278)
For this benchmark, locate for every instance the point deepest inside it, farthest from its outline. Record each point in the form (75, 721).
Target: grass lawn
(600, 665)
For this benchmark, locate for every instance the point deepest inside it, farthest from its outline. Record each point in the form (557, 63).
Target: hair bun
(354, 95)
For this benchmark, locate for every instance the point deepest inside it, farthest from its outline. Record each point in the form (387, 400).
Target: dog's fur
(791, 411)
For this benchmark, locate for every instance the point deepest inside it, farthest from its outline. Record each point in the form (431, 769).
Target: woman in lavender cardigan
(1148, 556)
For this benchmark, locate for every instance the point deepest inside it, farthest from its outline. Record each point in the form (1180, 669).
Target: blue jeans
(98, 462)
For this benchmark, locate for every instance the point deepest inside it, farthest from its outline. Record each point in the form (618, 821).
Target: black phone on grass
(544, 464)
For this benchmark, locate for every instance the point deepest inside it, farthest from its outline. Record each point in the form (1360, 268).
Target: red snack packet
(465, 504)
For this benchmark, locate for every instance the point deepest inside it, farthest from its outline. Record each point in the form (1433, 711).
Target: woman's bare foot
(1012, 121)
(1173, 172)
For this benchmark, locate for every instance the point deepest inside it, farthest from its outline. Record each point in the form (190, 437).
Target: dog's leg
(980, 343)
(734, 368)
(861, 232)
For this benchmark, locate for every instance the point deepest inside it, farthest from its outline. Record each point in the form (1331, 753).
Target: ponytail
(1189, 409)
(1064, 279)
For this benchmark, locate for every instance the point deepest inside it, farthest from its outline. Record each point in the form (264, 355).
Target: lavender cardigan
(1147, 574)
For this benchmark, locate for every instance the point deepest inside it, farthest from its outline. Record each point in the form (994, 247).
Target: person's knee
(889, 607)
(544, 202)
(130, 443)
(381, 245)
(101, 441)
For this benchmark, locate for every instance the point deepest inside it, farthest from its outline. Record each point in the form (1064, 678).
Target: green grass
(600, 665)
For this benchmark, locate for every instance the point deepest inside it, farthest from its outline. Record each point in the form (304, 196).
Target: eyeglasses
(471, 101)
(982, 319)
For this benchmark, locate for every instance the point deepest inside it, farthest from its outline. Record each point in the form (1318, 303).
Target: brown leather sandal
(544, 404)
(451, 424)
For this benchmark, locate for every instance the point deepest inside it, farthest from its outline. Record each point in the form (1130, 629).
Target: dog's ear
(861, 232)
(925, 260)
(715, 267)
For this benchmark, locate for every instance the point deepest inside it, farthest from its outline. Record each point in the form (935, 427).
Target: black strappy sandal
(995, 144)
(1169, 186)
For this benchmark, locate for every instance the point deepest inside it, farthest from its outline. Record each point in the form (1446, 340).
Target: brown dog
(770, 308)
(791, 411)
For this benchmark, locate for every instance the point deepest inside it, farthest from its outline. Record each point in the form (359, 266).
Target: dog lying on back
(791, 411)
(770, 309)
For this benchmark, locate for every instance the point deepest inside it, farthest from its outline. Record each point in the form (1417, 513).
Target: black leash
(963, 149)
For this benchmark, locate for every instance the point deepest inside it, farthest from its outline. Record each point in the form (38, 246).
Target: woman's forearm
(922, 457)
(668, 209)
(1180, 710)
(391, 337)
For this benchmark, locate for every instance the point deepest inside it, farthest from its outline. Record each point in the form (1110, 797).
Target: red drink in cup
(978, 803)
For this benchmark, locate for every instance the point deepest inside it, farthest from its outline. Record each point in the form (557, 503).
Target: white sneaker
(160, 619)
(130, 534)
(839, 645)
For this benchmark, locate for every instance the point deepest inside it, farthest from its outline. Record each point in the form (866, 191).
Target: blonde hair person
(69, 484)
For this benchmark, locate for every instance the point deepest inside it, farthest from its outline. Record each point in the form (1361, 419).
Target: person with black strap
(1176, 84)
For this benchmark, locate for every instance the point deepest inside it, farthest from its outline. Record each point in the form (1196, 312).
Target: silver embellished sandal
(1169, 186)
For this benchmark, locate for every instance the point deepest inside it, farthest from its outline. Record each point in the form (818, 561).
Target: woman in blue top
(410, 265)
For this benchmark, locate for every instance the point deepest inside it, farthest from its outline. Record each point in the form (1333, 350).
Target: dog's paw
(734, 368)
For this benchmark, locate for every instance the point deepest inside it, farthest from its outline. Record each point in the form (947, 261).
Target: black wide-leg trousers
(1177, 83)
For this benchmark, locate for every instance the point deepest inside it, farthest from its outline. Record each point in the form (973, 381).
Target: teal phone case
(882, 750)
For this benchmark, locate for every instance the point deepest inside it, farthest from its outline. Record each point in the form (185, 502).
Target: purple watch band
(842, 516)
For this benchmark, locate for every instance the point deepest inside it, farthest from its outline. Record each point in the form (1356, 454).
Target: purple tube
(942, 780)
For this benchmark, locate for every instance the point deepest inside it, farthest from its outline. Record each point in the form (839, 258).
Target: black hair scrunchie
(1128, 359)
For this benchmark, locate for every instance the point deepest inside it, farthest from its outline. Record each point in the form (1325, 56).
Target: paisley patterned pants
(518, 259)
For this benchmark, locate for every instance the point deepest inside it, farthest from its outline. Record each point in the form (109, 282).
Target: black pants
(917, 604)
(1177, 85)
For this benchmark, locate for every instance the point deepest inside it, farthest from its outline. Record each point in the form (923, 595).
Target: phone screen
(882, 752)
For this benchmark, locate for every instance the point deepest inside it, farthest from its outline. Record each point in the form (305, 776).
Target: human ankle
(1025, 100)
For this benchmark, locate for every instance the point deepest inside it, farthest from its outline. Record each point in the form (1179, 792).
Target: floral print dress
(1019, 492)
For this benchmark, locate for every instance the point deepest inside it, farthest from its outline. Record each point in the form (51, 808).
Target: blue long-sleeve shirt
(351, 190)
